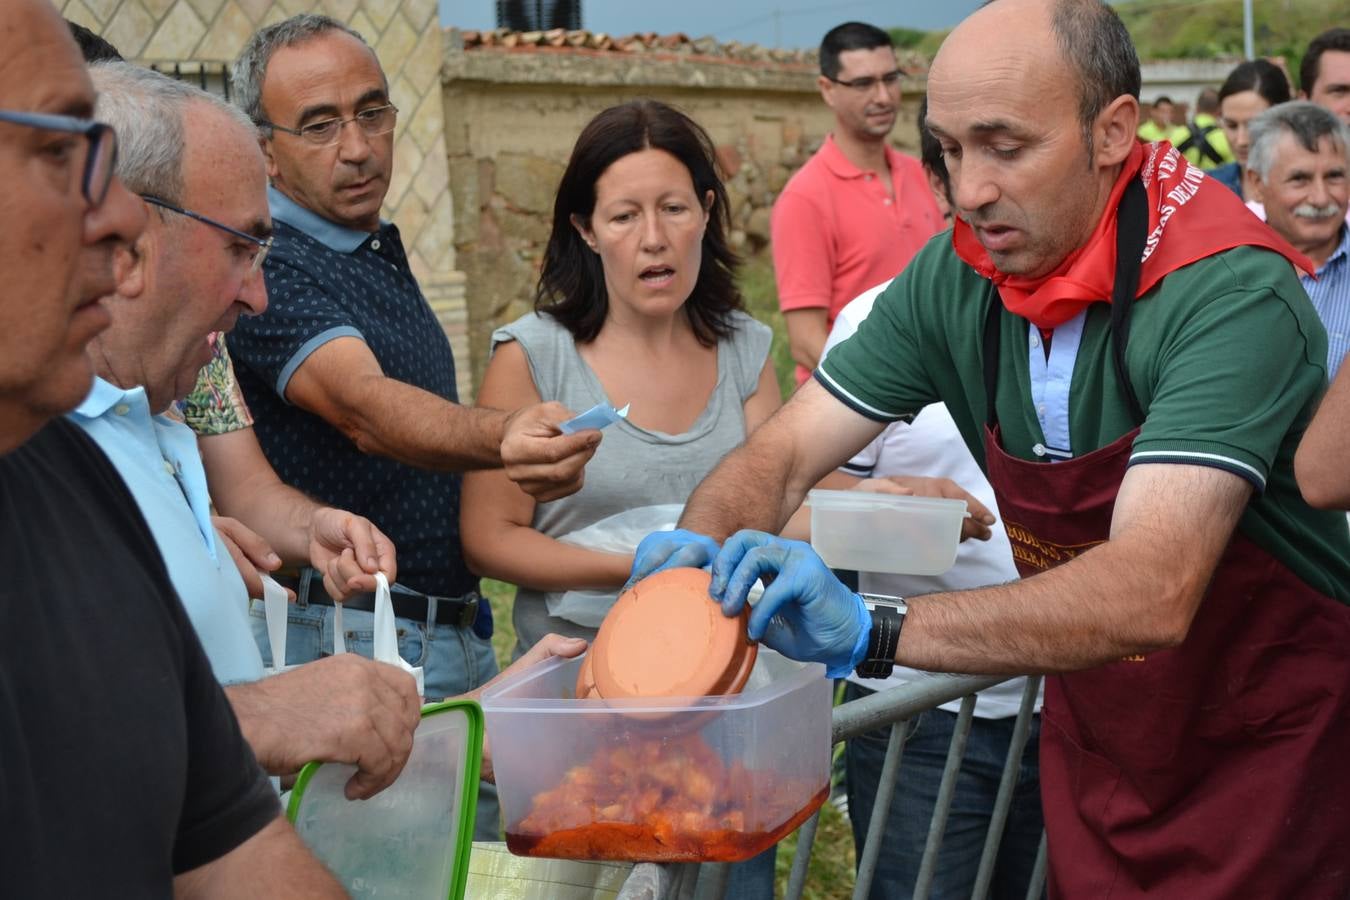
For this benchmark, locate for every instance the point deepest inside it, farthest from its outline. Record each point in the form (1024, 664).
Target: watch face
(879, 601)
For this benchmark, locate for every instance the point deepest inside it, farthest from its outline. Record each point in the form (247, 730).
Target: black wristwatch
(888, 617)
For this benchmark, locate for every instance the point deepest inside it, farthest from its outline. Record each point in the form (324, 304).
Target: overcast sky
(787, 23)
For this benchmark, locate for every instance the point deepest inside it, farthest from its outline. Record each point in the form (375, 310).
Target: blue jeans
(453, 660)
(925, 756)
(753, 879)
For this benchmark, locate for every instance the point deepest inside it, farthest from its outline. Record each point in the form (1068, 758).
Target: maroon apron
(1216, 769)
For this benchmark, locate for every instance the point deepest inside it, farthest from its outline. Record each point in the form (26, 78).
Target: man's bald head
(1035, 104)
(1086, 36)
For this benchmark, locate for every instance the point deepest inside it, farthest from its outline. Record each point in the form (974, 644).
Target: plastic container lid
(665, 637)
(866, 501)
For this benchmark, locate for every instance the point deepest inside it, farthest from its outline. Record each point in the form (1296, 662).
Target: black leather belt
(460, 612)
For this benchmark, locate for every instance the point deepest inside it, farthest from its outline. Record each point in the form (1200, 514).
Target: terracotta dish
(665, 637)
(585, 680)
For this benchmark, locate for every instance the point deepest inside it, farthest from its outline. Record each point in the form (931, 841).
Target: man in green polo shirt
(1132, 359)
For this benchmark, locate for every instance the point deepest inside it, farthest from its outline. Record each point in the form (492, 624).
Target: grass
(500, 595)
(761, 301)
(830, 874)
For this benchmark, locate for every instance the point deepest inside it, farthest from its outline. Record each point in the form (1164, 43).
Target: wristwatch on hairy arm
(888, 617)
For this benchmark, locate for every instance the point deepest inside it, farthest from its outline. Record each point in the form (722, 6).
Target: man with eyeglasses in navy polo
(858, 210)
(349, 374)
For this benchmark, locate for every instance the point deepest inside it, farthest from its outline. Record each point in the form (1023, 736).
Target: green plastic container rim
(473, 761)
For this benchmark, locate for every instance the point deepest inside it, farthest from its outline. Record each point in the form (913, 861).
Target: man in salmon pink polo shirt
(855, 214)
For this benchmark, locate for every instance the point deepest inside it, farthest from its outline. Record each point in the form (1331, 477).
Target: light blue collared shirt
(158, 459)
(1050, 380)
(330, 234)
(1330, 295)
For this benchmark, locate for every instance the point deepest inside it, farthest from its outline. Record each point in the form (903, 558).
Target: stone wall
(406, 37)
(513, 112)
(1182, 80)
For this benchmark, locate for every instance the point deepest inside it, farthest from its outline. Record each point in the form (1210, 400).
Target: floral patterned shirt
(216, 405)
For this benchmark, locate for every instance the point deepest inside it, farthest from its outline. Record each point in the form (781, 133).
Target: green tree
(1181, 29)
(906, 38)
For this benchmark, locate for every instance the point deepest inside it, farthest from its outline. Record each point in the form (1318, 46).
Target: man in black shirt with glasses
(122, 769)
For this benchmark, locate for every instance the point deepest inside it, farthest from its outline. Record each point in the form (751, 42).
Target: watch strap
(888, 617)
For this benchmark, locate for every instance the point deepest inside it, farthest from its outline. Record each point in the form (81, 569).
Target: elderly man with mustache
(1297, 170)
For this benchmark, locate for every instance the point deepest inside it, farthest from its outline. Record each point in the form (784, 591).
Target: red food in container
(678, 777)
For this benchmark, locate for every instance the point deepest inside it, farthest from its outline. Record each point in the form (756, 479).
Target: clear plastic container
(413, 838)
(668, 780)
(871, 532)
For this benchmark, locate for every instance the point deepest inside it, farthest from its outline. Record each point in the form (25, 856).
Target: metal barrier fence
(893, 707)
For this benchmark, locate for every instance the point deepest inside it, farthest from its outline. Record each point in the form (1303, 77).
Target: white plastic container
(671, 780)
(871, 532)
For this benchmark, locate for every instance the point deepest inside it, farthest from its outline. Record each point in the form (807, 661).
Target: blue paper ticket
(596, 417)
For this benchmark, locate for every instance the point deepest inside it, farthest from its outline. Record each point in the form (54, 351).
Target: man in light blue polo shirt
(193, 272)
(158, 459)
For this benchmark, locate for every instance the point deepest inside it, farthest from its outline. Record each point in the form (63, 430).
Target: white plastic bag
(619, 533)
(276, 608)
(386, 634)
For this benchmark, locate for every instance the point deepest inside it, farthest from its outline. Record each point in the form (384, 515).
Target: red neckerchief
(1190, 217)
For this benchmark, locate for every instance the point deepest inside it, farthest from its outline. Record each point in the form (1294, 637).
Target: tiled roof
(648, 42)
(676, 43)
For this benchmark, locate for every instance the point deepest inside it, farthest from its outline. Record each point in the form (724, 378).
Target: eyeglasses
(863, 85)
(101, 160)
(262, 244)
(373, 122)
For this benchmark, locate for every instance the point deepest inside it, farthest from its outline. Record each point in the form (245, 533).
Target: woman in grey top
(636, 306)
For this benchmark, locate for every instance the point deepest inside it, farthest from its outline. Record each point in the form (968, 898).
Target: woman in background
(636, 306)
(1249, 90)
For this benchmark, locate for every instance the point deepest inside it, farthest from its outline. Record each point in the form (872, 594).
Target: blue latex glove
(671, 549)
(806, 613)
